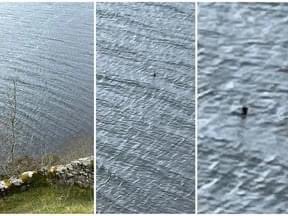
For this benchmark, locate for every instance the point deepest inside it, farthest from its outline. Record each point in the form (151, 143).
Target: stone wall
(79, 172)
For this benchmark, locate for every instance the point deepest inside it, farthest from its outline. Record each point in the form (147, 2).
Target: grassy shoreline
(47, 198)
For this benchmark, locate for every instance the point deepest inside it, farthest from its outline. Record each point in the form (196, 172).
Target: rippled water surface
(243, 61)
(48, 50)
(145, 129)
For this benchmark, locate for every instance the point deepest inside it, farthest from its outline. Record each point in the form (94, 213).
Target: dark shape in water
(244, 111)
(284, 70)
(154, 75)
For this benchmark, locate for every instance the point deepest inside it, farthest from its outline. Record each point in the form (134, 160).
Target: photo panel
(145, 107)
(46, 108)
(242, 107)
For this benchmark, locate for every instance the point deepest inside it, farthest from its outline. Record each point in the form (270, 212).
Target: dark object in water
(154, 75)
(284, 70)
(244, 111)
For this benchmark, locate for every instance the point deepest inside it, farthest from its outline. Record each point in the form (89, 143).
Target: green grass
(49, 199)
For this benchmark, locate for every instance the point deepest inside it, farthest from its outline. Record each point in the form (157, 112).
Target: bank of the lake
(49, 199)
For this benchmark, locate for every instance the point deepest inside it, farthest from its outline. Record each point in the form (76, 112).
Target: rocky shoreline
(78, 172)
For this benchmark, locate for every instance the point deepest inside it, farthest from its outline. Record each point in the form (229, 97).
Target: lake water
(145, 123)
(48, 49)
(243, 62)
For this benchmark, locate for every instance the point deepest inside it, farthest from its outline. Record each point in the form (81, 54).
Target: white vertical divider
(94, 75)
(196, 106)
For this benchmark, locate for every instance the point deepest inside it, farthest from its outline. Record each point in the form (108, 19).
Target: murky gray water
(145, 129)
(48, 49)
(243, 61)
